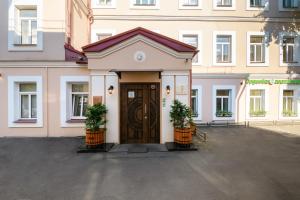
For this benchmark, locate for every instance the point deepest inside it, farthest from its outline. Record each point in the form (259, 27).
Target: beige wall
(51, 94)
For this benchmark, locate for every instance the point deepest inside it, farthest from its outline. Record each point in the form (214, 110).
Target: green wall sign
(272, 82)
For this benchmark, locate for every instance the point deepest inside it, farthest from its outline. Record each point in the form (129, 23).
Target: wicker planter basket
(94, 138)
(183, 135)
(193, 129)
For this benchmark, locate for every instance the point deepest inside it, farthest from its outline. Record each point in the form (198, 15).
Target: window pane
(25, 37)
(225, 104)
(226, 53)
(76, 104)
(222, 92)
(251, 104)
(290, 56)
(80, 88)
(257, 39)
(24, 106)
(224, 38)
(102, 36)
(255, 92)
(33, 106)
(28, 13)
(27, 87)
(289, 93)
(258, 104)
(85, 104)
(219, 53)
(33, 32)
(258, 53)
(252, 52)
(219, 104)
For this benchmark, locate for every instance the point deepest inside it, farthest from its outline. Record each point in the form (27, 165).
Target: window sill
(75, 121)
(25, 45)
(25, 121)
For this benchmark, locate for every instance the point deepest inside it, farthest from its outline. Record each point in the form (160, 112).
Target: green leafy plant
(260, 113)
(95, 117)
(222, 113)
(181, 115)
(288, 113)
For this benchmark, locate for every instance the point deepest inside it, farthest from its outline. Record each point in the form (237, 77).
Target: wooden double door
(140, 113)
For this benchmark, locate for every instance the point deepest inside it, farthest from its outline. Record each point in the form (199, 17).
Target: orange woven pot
(94, 138)
(183, 135)
(193, 129)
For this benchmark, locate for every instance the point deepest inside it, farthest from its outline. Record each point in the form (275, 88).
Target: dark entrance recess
(140, 113)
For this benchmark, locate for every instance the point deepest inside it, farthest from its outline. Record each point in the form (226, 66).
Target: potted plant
(95, 120)
(181, 117)
(287, 113)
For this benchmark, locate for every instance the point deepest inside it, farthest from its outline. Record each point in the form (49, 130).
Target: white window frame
(95, 5)
(199, 34)
(65, 98)
(281, 8)
(296, 89)
(199, 101)
(296, 48)
(232, 7)
(71, 101)
(95, 32)
(232, 101)
(154, 7)
(182, 7)
(29, 94)
(14, 100)
(266, 88)
(266, 49)
(13, 6)
(265, 7)
(233, 48)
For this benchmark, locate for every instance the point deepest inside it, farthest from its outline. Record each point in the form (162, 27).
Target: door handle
(145, 109)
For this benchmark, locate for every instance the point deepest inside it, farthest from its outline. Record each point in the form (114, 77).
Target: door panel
(140, 116)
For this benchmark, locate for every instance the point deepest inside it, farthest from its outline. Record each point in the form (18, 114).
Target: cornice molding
(195, 18)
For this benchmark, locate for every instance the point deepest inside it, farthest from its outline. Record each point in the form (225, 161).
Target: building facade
(247, 67)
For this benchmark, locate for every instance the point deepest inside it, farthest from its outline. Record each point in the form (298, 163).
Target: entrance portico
(138, 74)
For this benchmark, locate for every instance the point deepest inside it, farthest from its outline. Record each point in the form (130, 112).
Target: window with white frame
(79, 100)
(257, 49)
(257, 3)
(193, 40)
(28, 101)
(145, 2)
(102, 36)
(257, 103)
(27, 27)
(224, 49)
(190, 2)
(287, 4)
(224, 3)
(288, 103)
(25, 101)
(288, 49)
(194, 103)
(25, 22)
(223, 103)
(104, 3)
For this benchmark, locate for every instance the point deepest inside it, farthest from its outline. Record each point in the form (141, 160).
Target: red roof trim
(72, 54)
(164, 40)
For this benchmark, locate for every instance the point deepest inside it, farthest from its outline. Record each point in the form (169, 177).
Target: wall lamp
(168, 89)
(110, 89)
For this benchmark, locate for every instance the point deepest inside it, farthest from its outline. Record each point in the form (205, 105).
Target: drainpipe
(243, 86)
(90, 20)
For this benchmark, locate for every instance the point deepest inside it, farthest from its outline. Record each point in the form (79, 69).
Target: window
(288, 104)
(104, 2)
(257, 103)
(28, 27)
(193, 41)
(224, 48)
(194, 104)
(25, 101)
(102, 36)
(223, 104)
(190, 2)
(288, 49)
(145, 2)
(257, 49)
(79, 98)
(28, 103)
(257, 3)
(290, 3)
(224, 3)
(25, 25)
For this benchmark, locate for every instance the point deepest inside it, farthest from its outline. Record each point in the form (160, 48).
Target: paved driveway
(235, 164)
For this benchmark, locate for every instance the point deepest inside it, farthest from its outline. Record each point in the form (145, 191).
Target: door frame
(160, 106)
